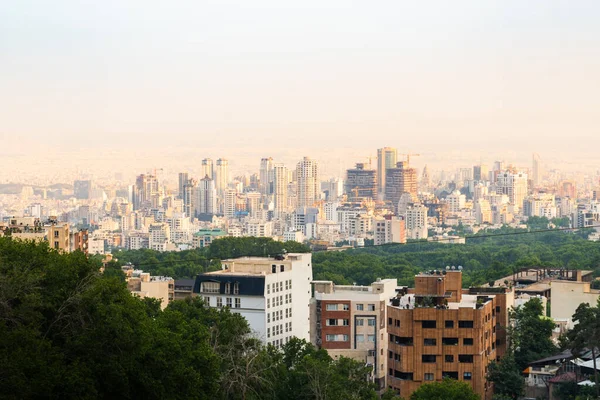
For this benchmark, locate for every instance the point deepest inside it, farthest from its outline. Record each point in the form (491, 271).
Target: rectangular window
(371, 307)
(451, 341)
(360, 307)
(219, 302)
(389, 321)
(238, 302)
(332, 307)
(429, 342)
(465, 324)
(281, 268)
(465, 358)
(236, 288)
(371, 322)
(331, 322)
(268, 317)
(428, 376)
(497, 308)
(468, 341)
(273, 269)
(467, 376)
(449, 324)
(210, 287)
(336, 338)
(268, 303)
(371, 338)
(360, 322)
(449, 358)
(207, 301)
(345, 322)
(268, 288)
(346, 307)
(397, 323)
(228, 302)
(56, 245)
(428, 358)
(268, 332)
(227, 288)
(428, 324)
(360, 338)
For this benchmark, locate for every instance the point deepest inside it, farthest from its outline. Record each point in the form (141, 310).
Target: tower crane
(408, 156)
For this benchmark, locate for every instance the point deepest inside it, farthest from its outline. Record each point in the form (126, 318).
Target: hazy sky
(420, 75)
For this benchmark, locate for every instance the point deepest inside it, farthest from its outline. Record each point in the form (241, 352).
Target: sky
(262, 77)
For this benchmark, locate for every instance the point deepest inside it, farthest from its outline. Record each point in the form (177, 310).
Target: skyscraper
(361, 183)
(207, 168)
(535, 169)
(514, 185)
(399, 180)
(266, 176)
(189, 198)
(308, 184)
(206, 203)
(386, 158)
(480, 173)
(146, 186)
(183, 180)
(221, 176)
(280, 188)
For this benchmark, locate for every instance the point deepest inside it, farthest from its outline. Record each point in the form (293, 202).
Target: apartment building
(436, 331)
(143, 284)
(350, 321)
(273, 294)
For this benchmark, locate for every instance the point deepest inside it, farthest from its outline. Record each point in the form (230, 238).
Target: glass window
(429, 324)
(371, 322)
(346, 307)
(331, 307)
(345, 322)
(236, 288)
(428, 358)
(238, 302)
(331, 322)
(468, 341)
(449, 324)
(465, 324)
(371, 338)
(467, 376)
(268, 288)
(210, 287)
(207, 300)
(360, 322)
(428, 376)
(449, 358)
(228, 302)
(219, 302)
(360, 307)
(371, 307)
(389, 321)
(429, 342)
(227, 288)
(360, 338)
(465, 358)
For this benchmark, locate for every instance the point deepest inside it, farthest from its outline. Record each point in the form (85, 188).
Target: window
(428, 324)
(389, 321)
(268, 332)
(360, 307)
(236, 288)
(449, 324)
(55, 234)
(268, 317)
(360, 338)
(281, 268)
(268, 303)
(360, 322)
(268, 288)
(465, 358)
(331, 322)
(336, 338)
(465, 324)
(397, 323)
(346, 307)
(468, 341)
(428, 358)
(449, 358)
(228, 302)
(497, 308)
(429, 342)
(371, 338)
(207, 300)
(238, 302)
(219, 302)
(210, 287)
(227, 288)
(273, 268)
(467, 376)
(428, 376)
(331, 307)
(451, 375)
(56, 245)
(371, 307)
(290, 297)
(371, 322)
(345, 322)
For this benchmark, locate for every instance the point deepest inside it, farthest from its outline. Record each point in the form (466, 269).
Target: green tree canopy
(448, 389)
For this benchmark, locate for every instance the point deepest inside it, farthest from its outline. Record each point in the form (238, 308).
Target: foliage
(507, 378)
(189, 263)
(448, 389)
(67, 331)
(483, 258)
(530, 334)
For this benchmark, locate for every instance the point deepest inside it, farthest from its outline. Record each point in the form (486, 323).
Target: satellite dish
(460, 267)
(453, 268)
(447, 267)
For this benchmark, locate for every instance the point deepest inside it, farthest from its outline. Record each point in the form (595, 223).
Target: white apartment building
(273, 294)
(456, 202)
(308, 184)
(159, 236)
(514, 185)
(345, 215)
(259, 228)
(389, 230)
(416, 221)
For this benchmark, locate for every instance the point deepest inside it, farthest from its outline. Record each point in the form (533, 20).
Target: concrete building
(386, 159)
(514, 185)
(159, 236)
(361, 183)
(259, 228)
(206, 198)
(204, 237)
(456, 202)
(308, 182)
(389, 229)
(142, 284)
(266, 176)
(436, 331)
(566, 295)
(273, 294)
(350, 321)
(399, 180)
(483, 212)
(221, 176)
(416, 222)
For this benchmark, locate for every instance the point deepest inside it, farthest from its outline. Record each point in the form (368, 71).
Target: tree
(448, 389)
(507, 377)
(586, 334)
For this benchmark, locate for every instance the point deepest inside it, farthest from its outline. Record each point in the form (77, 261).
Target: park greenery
(68, 331)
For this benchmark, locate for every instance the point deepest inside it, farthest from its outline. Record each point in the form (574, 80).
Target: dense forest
(486, 256)
(69, 332)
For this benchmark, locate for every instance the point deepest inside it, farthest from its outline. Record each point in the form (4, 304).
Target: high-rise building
(351, 321)
(416, 221)
(535, 169)
(483, 211)
(389, 229)
(399, 180)
(437, 332)
(386, 158)
(361, 183)
(144, 191)
(189, 197)
(221, 176)
(514, 185)
(229, 201)
(183, 180)
(273, 294)
(280, 189)
(308, 183)
(207, 168)
(480, 172)
(206, 197)
(82, 189)
(266, 176)
(253, 204)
